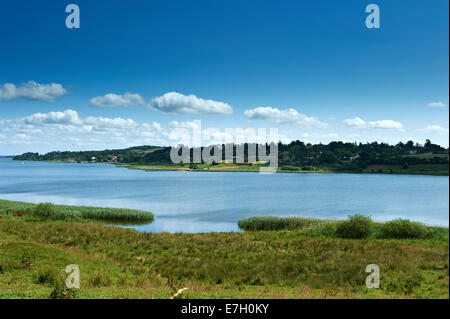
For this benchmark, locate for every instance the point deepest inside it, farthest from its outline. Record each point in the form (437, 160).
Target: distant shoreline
(236, 168)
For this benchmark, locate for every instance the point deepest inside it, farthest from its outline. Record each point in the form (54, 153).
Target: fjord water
(215, 201)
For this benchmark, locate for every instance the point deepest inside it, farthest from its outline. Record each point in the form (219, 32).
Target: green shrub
(60, 290)
(404, 228)
(45, 211)
(357, 226)
(46, 277)
(27, 258)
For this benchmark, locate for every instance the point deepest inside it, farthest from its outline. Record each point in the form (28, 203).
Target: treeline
(296, 153)
(136, 154)
(361, 154)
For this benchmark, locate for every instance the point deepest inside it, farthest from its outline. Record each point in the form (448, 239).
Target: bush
(404, 228)
(357, 227)
(60, 291)
(45, 211)
(46, 277)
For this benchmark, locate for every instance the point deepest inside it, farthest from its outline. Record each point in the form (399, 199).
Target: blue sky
(310, 68)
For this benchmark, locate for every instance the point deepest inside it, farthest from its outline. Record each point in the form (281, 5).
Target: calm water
(206, 201)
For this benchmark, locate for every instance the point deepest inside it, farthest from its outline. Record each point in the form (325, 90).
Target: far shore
(431, 170)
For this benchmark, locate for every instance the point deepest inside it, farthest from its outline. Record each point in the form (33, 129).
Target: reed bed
(278, 223)
(69, 213)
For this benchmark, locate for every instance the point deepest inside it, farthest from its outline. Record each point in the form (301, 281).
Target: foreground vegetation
(355, 227)
(122, 263)
(48, 211)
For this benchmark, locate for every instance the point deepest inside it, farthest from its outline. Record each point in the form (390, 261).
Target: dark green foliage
(328, 157)
(356, 227)
(60, 290)
(27, 258)
(46, 277)
(403, 228)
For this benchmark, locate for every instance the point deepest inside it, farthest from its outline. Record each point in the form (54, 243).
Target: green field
(424, 169)
(122, 263)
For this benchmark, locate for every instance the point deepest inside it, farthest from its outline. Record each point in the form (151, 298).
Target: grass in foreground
(49, 211)
(122, 263)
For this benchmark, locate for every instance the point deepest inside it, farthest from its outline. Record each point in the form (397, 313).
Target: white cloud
(174, 102)
(65, 117)
(115, 100)
(436, 128)
(355, 122)
(105, 122)
(288, 116)
(359, 123)
(387, 124)
(436, 104)
(31, 91)
(66, 130)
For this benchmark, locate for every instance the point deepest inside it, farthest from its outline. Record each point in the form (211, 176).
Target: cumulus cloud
(115, 100)
(288, 116)
(436, 104)
(31, 91)
(436, 129)
(359, 123)
(387, 124)
(174, 102)
(355, 122)
(65, 117)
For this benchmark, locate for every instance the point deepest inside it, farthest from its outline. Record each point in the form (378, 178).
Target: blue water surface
(215, 201)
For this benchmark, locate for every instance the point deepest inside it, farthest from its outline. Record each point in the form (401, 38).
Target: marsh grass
(355, 227)
(48, 211)
(278, 223)
(302, 259)
(122, 263)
